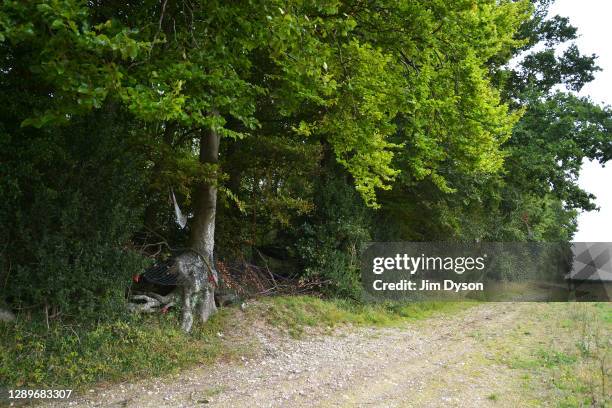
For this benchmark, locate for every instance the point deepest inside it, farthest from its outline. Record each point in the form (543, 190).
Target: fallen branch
(153, 302)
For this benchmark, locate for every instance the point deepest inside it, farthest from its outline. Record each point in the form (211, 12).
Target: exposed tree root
(153, 302)
(196, 282)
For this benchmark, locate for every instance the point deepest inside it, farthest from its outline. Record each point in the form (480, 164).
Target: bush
(331, 239)
(72, 199)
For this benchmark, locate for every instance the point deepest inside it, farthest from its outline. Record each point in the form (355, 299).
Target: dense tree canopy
(340, 121)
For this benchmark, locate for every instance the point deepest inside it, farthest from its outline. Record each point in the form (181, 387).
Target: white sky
(592, 18)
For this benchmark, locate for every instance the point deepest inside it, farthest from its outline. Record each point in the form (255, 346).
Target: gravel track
(437, 362)
(431, 363)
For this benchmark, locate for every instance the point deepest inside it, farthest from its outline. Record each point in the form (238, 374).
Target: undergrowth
(72, 356)
(75, 356)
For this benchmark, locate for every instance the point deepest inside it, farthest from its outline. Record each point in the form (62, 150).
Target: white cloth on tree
(181, 220)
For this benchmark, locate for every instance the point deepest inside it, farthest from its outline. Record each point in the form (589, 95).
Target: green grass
(76, 356)
(295, 313)
(604, 311)
(566, 358)
(492, 397)
(554, 358)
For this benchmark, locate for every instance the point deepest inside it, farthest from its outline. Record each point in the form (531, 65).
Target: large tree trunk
(194, 269)
(202, 238)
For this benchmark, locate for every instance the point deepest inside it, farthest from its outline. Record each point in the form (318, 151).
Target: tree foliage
(340, 122)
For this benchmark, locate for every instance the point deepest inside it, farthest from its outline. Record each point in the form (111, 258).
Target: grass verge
(563, 356)
(76, 356)
(294, 314)
(72, 356)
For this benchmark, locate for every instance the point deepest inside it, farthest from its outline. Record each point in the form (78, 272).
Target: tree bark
(202, 237)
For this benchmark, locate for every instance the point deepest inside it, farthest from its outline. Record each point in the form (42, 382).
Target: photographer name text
(426, 285)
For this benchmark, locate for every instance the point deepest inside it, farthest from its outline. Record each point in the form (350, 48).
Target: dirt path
(442, 361)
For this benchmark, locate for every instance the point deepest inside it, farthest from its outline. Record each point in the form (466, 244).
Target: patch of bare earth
(441, 361)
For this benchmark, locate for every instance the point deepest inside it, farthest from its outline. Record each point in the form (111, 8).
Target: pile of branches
(247, 280)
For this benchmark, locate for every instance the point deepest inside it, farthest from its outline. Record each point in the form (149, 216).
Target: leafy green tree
(535, 195)
(279, 107)
(557, 132)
